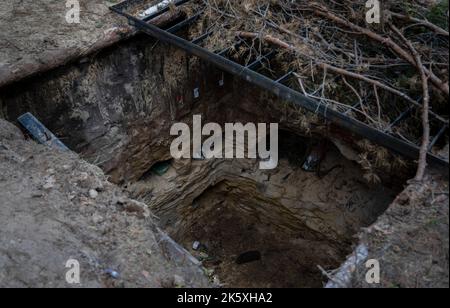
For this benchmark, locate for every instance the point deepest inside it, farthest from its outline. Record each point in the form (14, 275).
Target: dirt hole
(251, 228)
(254, 228)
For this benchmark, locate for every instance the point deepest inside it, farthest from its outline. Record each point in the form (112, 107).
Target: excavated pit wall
(116, 110)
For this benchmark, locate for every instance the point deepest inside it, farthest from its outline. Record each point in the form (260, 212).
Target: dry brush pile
(374, 72)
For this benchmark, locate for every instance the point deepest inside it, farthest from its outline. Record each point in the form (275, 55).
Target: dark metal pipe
(285, 77)
(437, 137)
(201, 38)
(286, 93)
(258, 62)
(400, 118)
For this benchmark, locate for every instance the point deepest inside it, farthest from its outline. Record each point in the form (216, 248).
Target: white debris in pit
(342, 278)
(156, 8)
(196, 245)
(175, 251)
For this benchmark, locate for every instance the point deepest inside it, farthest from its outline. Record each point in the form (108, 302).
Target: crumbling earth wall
(56, 207)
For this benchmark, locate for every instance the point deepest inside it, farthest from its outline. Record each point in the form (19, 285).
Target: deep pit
(254, 228)
(251, 228)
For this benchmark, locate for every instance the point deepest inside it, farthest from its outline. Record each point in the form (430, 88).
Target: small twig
(440, 84)
(376, 83)
(268, 38)
(325, 66)
(377, 99)
(421, 22)
(326, 274)
(425, 109)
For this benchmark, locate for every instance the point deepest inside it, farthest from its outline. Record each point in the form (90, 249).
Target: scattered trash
(311, 163)
(196, 93)
(112, 273)
(342, 278)
(247, 257)
(174, 250)
(156, 8)
(161, 168)
(196, 245)
(315, 157)
(39, 132)
(203, 256)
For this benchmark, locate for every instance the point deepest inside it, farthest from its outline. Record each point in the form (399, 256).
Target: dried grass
(310, 36)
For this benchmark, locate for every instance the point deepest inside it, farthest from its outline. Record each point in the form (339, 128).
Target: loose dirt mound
(55, 207)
